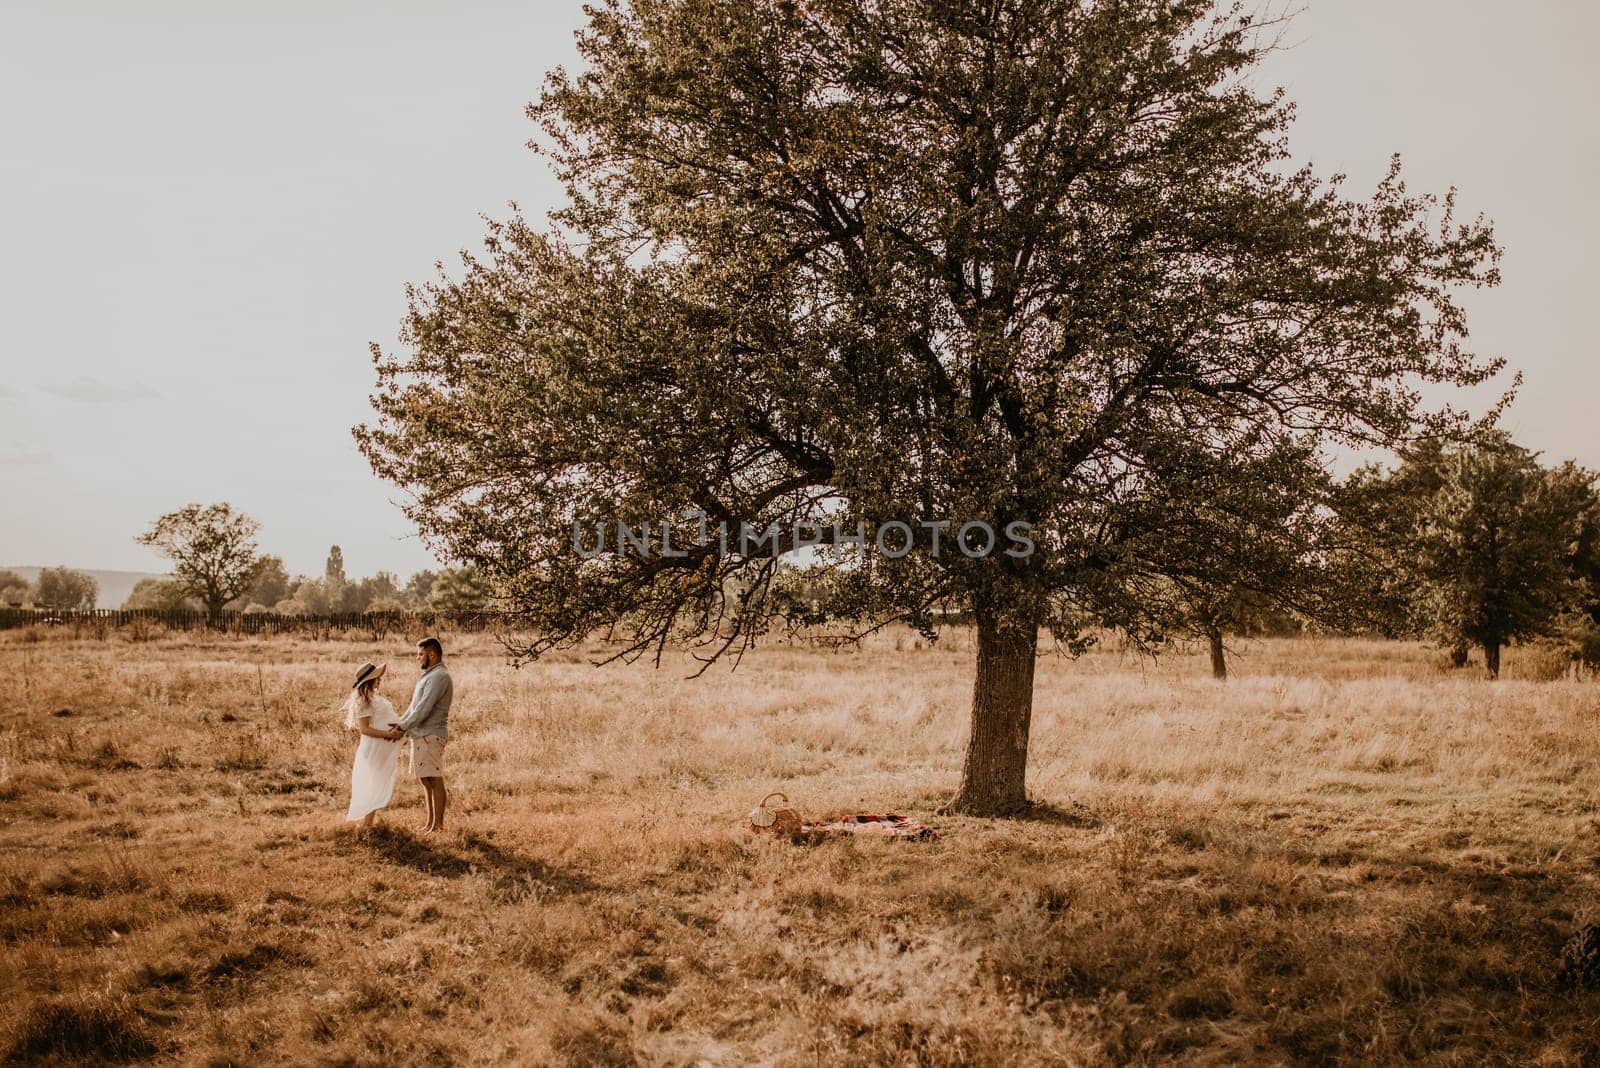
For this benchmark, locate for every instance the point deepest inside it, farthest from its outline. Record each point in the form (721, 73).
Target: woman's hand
(395, 734)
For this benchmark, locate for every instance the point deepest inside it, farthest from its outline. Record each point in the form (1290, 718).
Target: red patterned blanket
(874, 824)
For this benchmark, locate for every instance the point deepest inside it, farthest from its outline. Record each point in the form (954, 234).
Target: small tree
(14, 589)
(1495, 548)
(62, 587)
(1376, 513)
(1235, 542)
(212, 549)
(1586, 560)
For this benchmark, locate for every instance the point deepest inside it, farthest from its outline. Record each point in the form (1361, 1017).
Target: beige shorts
(427, 758)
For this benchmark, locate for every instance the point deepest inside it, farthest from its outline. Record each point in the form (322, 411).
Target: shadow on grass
(1075, 815)
(409, 851)
(513, 865)
(512, 872)
(80, 1033)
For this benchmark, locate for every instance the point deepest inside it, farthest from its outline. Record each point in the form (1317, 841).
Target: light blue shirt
(429, 714)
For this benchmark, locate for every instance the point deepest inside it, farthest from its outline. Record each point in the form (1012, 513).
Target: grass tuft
(78, 1032)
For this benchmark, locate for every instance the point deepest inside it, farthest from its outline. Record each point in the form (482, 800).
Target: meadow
(1344, 854)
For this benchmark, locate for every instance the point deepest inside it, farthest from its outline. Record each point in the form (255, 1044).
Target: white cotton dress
(372, 774)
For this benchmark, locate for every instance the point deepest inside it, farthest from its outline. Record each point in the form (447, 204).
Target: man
(425, 723)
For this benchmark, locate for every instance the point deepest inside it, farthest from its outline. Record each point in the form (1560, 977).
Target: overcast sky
(207, 211)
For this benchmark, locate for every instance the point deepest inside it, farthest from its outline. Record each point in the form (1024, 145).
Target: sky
(208, 211)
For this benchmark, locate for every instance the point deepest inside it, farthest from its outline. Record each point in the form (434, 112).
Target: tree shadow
(1075, 815)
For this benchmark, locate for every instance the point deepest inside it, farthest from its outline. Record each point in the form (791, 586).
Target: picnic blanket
(872, 825)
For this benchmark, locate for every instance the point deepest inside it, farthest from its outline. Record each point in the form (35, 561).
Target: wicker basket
(766, 819)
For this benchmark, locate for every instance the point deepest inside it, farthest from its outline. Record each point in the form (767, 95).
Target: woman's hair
(358, 703)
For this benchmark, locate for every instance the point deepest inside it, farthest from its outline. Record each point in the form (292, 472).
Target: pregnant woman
(372, 774)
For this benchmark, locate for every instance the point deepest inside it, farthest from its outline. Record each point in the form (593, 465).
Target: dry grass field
(1344, 854)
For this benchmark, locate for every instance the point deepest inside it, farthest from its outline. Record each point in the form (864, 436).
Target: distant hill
(115, 586)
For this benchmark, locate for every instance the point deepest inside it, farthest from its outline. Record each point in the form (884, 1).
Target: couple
(372, 776)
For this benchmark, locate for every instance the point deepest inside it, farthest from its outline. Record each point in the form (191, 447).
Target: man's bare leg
(435, 789)
(427, 797)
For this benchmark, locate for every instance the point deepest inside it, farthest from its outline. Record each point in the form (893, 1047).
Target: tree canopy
(1036, 261)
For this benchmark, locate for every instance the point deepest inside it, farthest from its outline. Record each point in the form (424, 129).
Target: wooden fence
(378, 623)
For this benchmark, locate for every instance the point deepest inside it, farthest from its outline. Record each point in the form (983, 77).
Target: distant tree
(14, 589)
(1495, 548)
(62, 587)
(1586, 561)
(313, 597)
(164, 595)
(360, 595)
(916, 264)
(212, 549)
(388, 606)
(383, 584)
(271, 583)
(1376, 511)
(1234, 542)
(460, 590)
(334, 581)
(419, 588)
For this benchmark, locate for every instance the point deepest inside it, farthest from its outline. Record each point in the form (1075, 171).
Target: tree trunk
(1219, 656)
(993, 778)
(1491, 658)
(1458, 656)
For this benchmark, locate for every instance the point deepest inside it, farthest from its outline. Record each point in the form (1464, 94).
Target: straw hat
(369, 672)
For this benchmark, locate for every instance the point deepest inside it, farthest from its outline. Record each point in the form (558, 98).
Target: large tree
(905, 262)
(212, 549)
